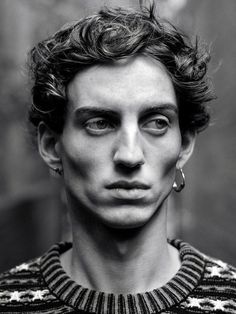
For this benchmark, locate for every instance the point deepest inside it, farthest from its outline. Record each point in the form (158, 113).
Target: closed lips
(128, 185)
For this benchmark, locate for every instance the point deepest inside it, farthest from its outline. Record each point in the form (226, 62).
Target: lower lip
(128, 194)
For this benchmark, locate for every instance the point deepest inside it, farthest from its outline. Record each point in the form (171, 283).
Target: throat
(121, 260)
(127, 269)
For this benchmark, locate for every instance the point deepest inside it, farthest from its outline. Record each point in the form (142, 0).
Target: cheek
(172, 157)
(83, 158)
(166, 156)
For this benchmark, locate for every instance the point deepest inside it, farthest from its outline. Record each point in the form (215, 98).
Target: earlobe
(188, 143)
(48, 146)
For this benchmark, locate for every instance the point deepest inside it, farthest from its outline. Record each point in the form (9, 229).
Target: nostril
(129, 162)
(128, 168)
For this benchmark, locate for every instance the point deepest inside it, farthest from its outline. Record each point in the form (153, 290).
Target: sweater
(201, 285)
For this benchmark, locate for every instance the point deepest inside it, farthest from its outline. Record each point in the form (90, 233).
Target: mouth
(128, 190)
(128, 185)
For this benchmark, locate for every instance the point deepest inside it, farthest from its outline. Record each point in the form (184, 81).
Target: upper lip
(121, 184)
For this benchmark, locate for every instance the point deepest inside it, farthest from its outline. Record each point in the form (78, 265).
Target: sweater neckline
(91, 301)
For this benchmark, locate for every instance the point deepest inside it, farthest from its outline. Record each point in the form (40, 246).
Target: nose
(128, 151)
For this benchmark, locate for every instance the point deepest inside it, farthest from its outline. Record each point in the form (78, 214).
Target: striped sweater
(202, 285)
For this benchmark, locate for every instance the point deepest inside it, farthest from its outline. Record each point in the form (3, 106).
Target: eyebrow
(160, 108)
(95, 111)
(90, 110)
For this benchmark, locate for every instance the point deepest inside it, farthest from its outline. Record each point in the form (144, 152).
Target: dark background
(31, 202)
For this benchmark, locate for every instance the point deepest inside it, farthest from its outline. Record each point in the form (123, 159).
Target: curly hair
(111, 35)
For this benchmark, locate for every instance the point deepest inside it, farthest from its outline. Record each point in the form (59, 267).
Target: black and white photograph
(117, 158)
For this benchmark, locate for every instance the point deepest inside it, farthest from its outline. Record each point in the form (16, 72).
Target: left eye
(98, 125)
(158, 125)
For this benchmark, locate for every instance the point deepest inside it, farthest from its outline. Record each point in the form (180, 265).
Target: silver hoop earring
(179, 188)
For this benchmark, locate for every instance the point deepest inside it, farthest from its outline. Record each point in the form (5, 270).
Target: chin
(128, 218)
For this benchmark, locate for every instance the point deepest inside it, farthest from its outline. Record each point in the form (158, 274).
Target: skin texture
(93, 157)
(122, 124)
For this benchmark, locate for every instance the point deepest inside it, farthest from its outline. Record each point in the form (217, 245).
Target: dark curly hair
(110, 35)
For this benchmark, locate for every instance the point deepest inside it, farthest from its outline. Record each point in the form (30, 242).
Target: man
(118, 99)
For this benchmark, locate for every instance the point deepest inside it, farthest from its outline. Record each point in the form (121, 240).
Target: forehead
(129, 84)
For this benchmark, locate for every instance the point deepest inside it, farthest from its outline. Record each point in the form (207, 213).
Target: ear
(188, 143)
(48, 146)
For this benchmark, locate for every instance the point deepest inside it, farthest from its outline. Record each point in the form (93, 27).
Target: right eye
(98, 125)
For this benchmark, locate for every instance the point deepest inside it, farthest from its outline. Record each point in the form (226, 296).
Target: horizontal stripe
(162, 298)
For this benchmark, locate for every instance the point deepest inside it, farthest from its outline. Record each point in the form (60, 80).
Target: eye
(157, 126)
(98, 125)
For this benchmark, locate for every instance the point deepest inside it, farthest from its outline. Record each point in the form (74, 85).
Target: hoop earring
(179, 188)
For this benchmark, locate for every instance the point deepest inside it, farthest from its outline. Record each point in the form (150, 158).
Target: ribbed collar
(91, 301)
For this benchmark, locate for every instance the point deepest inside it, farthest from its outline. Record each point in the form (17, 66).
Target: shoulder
(213, 268)
(23, 290)
(22, 284)
(217, 275)
(21, 274)
(216, 288)
(217, 269)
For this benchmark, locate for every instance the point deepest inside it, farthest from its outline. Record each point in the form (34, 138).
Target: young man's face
(121, 141)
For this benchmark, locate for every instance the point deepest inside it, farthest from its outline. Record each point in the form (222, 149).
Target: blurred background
(32, 211)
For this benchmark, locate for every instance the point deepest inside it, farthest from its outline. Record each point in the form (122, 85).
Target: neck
(122, 261)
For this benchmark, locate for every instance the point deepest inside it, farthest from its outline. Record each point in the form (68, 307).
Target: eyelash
(154, 129)
(92, 121)
(110, 126)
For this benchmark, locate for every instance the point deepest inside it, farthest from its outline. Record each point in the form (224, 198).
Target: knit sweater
(201, 285)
